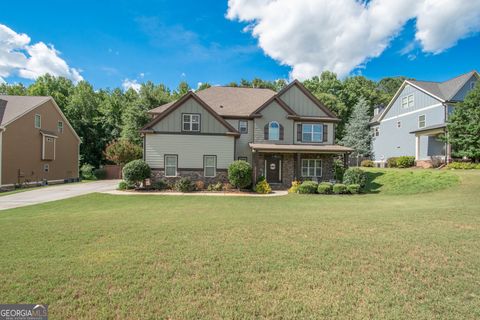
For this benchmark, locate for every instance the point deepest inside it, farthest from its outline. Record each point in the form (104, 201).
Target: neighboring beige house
(286, 136)
(37, 143)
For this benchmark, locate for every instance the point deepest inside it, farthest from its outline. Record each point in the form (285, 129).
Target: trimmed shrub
(86, 172)
(339, 188)
(240, 174)
(354, 188)
(184, 185)
(463, 165)
(263, 187)
(100, 173)
(160, 185)
(136, 171)
(308, 187)
(355, 176)
(215, 187)
(199, 185)
(392, 162)
(405, 162)
(124, 185)
(367, 163)
(325, 188)
(338, 170)
(294, 187)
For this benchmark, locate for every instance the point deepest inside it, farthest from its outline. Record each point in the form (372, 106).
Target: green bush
(263, 187)
(240, 174)
(325, 188)
(405, 162)
(338, 170)
(100, 173)
(463, 165)
(294, 187)
(184, 185)
(86, 172)
(355, 176)
(123, 185)
(392, 162)
(215, 187)
(367, 163)
(308, 187)
(339, 188)
(136, 171)
(354, 188)
(159, 185)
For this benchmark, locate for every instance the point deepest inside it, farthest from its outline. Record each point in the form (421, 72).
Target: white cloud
(19, 57)
(339, 35)
(127, 84)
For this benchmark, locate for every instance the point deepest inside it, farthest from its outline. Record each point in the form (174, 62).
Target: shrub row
(463, 165)
(401, 162)
(311, 187)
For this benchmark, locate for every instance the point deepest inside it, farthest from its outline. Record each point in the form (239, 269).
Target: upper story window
(375, 132)
(38, 121)
(60, 126)
(408, 101)
(243, 126)
(191, 122)
(472, 84)
(421, 121)
(312, 132)
(273, 131)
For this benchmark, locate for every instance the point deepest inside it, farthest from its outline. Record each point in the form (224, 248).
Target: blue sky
(165, 41)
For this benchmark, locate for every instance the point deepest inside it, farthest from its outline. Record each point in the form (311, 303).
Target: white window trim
(45, 136)
(312, 132)
(315, 169)
(40, 121)
(190, 122)
(270, 128)
(176, 164)
(205, 166)
(407, 100)
(240, 126)
(60, 128)
(424, 121)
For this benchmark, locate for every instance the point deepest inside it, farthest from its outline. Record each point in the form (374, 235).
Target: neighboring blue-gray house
(413, 120)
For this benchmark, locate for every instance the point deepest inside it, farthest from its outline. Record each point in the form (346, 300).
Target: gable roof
(190, 95)
(442, 91)
(277, 100)
(13, 107)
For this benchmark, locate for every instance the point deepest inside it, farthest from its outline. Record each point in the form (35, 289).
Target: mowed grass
(374, 256)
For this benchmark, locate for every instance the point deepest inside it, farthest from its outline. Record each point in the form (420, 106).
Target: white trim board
(412, 112)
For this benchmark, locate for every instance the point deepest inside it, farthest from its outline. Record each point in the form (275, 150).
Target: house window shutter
(281, 133)
(325, 133)
(265, 132)
(299, 132)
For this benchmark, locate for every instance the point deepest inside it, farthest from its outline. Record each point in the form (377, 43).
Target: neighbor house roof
(229, 101)
(12, 107)
(299, 148)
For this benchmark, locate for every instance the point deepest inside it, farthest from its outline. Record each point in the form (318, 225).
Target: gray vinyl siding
(301, 104)
(462, 93)
(242, 149)
(189, 148)
(394, 141)
(330, 134)
(173, 122)
(273, 112)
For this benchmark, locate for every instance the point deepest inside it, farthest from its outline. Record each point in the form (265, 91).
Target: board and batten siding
(242, 148)
(173, 121)
(462, 93)
(189, 148)
(301, 104)
(273, 112)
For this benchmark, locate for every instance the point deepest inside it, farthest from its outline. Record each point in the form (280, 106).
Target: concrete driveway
(57, 192)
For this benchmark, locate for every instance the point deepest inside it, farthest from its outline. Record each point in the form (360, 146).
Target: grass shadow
(372, 186)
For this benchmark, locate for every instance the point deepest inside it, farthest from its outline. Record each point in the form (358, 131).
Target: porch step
(277, 186)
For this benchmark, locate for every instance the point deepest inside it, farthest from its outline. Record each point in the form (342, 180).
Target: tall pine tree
(357, 131)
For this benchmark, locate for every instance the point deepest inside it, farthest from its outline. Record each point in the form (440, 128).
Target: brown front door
(273, 169)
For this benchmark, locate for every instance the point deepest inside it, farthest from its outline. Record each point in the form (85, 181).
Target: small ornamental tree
(136, 171)
(240, 174)
(122, 152)
(464, 127)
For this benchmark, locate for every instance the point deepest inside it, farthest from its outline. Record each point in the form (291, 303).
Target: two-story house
(285, 136)
(412, 123)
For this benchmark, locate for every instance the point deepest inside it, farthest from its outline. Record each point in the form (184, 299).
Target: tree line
(105, 115)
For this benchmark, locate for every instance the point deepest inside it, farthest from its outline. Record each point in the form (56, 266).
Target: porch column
(417, 147)
(254, 163)
(298, 169)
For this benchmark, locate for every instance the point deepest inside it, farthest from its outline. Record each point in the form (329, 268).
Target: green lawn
(381, 256)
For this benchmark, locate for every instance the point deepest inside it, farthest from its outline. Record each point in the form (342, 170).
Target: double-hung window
(312, 132)
(408, 101)
(243, 126)
(421, 121)
(171, 164)
(210, 166)
(60, 126)
(38, 121)
(311, 168)
(191, 122)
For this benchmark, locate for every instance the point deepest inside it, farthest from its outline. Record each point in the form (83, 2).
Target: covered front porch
(435, 147)
(281, 164)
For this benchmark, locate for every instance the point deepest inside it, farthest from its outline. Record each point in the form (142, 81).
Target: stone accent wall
(288, 170)
(426, 164)
(193, 175)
